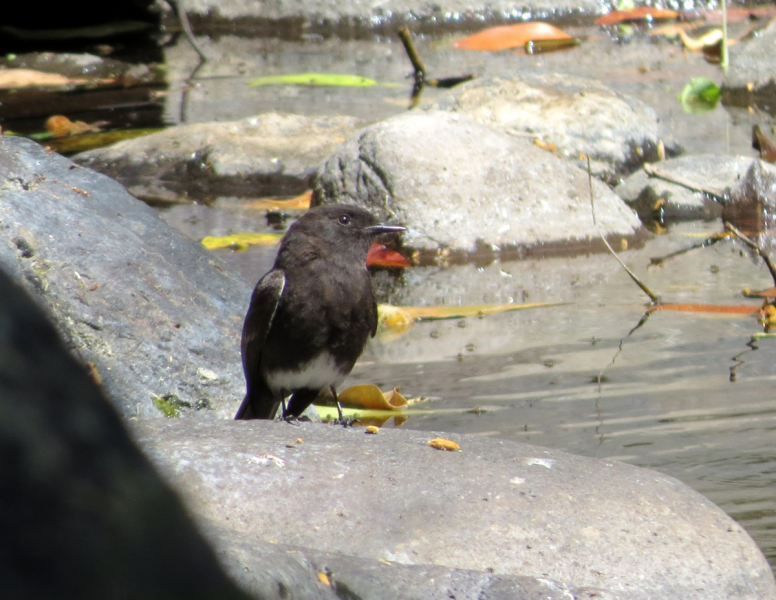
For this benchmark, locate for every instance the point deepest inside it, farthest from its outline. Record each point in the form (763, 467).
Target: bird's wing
(264, 304)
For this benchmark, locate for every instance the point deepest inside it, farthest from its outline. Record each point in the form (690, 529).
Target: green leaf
(314, 79)
(699, 96)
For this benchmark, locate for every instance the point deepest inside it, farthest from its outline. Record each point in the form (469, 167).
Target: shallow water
(666, 398)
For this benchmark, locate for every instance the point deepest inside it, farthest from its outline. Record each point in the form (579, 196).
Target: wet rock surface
(519, 510)
(157, 315)
(580, 117)
(270, 154)
(354, 18)
(457, 184)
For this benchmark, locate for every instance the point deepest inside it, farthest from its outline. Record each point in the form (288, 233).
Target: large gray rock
(157, 315)
(82, 513)
(457, 184)
(579, 116)
(269, 154)
(354, 17)
(752, 66)
(518, 510)
(691, 187)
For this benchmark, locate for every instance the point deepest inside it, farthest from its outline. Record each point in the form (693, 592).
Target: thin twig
(754, 246)
(180, 11)
(724, 60)
(654, 299)
(417, 64)
(655, 171)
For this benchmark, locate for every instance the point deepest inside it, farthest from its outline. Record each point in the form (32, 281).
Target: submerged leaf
(241, 241)
(763, 145)
(300, 202)
(314, 79)
(699, 96)
(511, 36)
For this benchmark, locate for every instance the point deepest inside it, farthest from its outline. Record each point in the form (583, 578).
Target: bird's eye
(344, 219)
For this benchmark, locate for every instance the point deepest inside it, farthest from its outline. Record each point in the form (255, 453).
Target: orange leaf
(380, 256)
(640, 13)
(511, 36)
(708, 308)
(769, 293)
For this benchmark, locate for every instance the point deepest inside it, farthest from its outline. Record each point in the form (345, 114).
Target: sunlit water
(688, 394)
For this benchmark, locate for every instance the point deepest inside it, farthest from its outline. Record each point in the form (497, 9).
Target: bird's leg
(340, 420)
(292, 420)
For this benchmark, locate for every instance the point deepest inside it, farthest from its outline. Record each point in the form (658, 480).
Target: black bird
(311, 315)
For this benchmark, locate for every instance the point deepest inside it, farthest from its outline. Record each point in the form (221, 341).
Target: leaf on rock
(241, 241)
(314, 79)
(640, 13)
(769, 293)
(73, 144)
(443, 444)
(301, 202)
(511, 36)
(370, 397)
(380, 256)
(699, 96)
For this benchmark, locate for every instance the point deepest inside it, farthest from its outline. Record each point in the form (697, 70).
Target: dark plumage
(311, 315)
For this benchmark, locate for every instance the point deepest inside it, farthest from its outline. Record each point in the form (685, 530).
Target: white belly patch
(320, 372)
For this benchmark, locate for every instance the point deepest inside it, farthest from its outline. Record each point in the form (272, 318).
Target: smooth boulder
(157, 316)
(500, 506)
(577, 117)
(457, 184)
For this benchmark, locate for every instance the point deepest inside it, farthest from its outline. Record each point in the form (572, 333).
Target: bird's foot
(344, 421)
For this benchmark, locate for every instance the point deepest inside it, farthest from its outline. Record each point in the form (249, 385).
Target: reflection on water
(665, 401)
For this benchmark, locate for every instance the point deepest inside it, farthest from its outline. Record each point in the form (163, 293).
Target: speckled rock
(457, 184)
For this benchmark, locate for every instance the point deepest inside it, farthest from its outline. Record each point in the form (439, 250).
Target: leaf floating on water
(699, 96)
(717, 309)
(640, 13)
(241, 241)
(73, 144)
(314, 79)
(380, 256)
(443, 444)
(371, 397)
(301, 202)
(511, 36)
(432, 313)
(769, 293)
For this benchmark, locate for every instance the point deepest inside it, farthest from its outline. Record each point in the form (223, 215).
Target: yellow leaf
(429, 313)
(323, 578)
(241, 241)
(369, 396)
(443, 444)
(372, 429)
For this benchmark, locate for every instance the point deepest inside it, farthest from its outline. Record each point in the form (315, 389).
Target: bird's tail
(255, 406)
